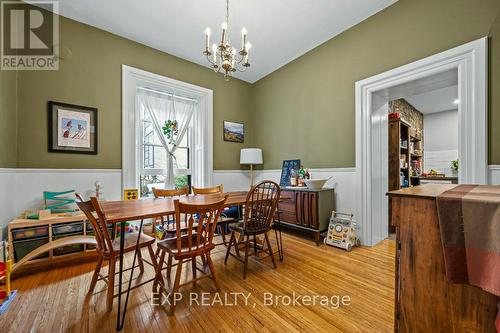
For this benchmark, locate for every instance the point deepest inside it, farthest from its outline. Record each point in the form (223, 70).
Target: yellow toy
(130, 194)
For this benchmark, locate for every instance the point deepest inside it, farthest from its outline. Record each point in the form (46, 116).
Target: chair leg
(193, 268)
(223, 233)
(157, 252)
(159, 267)
(237, 241)
(139, 260)
(111, 284)
(212, 272)
(254, 245)
(270, 249)
(245, 264)
(231, 240)
(175, 289)
(95, 276)
(169, 266)
(153, 256)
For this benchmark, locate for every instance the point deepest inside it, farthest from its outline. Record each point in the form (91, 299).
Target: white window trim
(202, 149)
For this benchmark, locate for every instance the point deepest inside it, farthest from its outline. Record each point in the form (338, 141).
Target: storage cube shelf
(26, 235)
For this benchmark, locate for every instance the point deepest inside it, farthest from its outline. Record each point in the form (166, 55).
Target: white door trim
(132, 78)
(471, 62)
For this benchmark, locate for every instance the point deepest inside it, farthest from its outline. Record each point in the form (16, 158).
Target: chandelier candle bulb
(214, 51)
(243, 38)
(224, 28)
(207, 38)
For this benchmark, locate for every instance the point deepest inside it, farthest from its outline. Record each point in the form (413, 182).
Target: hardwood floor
(56, 301)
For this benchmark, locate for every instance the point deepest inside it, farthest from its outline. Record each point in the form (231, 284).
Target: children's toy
(130, 194)
(342, 231)
(98, 189)
(129, 227)
(57, 202)
(6, 295)
(38, 215)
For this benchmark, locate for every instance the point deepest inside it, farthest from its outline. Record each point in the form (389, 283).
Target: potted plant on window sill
(454, 168)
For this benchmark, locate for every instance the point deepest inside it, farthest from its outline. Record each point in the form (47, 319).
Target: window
(143, 156)
(154, 155)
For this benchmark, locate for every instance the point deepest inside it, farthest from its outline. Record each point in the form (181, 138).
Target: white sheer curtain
(163, 107)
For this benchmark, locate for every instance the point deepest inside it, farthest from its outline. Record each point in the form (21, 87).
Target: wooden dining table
(133, 210)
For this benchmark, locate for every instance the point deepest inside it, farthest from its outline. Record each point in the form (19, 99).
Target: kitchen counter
(422, 191)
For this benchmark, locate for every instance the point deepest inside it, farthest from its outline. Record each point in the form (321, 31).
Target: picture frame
(233, 131)
(72, 128)
(286, 171)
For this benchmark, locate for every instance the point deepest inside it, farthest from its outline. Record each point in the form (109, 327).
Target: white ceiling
(279, 30)
(431, 94)
(435, 101)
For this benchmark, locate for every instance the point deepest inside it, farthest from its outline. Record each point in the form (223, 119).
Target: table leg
(277, 231)
(120, 324)
(120, 274)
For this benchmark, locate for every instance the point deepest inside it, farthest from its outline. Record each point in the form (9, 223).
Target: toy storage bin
(30, 233)
(67, 228)
(23, 247)
(70, 248)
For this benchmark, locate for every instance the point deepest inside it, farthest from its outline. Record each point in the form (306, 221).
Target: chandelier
(224, 58)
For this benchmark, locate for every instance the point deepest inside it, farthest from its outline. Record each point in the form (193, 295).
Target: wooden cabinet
(307, 209)
(425, 301)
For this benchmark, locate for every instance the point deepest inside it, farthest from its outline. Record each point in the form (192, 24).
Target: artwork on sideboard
(72, 128)
(286, 171)
(234, 132)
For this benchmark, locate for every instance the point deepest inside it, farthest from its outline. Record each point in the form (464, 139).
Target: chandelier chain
(227, 13)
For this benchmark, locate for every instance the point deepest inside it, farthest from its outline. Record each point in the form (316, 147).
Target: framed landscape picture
(72, 128)
(234, 132)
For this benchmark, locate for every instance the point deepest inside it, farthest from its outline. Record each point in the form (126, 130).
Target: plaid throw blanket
(469, 222)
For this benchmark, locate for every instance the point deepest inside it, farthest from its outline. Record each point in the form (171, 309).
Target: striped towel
(469, 222)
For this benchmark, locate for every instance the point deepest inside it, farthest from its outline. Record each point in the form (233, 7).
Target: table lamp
(251, 156)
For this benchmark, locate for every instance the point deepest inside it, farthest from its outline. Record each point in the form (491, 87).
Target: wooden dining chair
(196, 242)
(109, 249)
(219, 189)
(261, 204)
(224, 220)
(162, 193)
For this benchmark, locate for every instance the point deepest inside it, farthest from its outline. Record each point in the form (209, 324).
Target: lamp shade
(251, 156)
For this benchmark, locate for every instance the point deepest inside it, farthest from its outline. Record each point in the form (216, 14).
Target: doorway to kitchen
(374, 97)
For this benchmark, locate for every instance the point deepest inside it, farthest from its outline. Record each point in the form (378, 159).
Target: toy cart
(342, 231)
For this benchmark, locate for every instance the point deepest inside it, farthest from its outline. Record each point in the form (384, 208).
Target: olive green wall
(311, 100)
(92, 77)
(8, 119)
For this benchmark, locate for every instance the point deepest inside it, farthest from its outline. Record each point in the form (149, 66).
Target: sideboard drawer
(287, 208)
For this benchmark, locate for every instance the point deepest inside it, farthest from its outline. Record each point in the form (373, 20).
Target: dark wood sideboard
(307, 209)
(425, 301)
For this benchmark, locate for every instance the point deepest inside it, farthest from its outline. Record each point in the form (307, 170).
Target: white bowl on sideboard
(315, 184)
